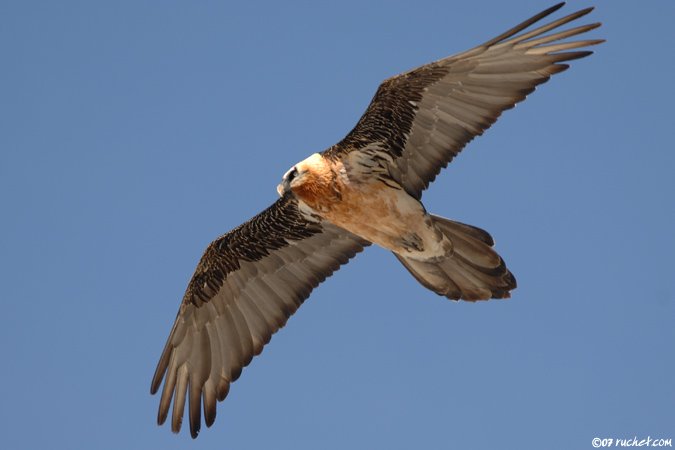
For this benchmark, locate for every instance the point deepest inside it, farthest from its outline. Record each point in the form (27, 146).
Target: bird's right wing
(246, 286)
(420, 120)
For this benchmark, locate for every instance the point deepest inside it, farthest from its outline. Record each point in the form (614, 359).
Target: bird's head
(303, 175)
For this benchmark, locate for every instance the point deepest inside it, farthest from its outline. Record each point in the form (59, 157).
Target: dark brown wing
(421, 119)
(246, 286)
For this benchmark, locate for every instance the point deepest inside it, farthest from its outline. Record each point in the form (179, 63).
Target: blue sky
(134, 133)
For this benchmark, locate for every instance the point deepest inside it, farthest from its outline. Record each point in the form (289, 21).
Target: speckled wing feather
(246, 286)
(423, 118)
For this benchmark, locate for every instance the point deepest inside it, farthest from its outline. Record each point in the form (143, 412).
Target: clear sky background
(132, 133)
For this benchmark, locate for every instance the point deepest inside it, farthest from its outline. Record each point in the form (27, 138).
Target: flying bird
(365, 189)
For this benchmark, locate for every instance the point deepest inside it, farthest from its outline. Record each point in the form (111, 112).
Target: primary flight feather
(365, 189)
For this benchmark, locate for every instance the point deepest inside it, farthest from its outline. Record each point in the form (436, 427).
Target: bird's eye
(292, 174)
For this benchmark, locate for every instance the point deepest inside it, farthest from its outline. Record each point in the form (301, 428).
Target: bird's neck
(322, 186)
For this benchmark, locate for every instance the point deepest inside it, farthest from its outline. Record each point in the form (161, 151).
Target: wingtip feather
(523, 25)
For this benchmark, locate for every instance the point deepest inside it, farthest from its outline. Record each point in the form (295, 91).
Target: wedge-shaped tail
(473, 271)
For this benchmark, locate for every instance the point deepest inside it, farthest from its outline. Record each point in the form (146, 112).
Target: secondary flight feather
(365, 189)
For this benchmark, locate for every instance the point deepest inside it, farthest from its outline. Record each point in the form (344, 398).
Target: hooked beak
(283, 187)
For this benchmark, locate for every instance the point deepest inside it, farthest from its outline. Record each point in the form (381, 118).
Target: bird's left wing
(246, 286)
(420, 120)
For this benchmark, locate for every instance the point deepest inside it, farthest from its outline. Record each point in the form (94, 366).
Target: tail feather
(474, 271)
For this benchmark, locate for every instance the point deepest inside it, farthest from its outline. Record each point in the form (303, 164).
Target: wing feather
(246, 286)
(423, 118)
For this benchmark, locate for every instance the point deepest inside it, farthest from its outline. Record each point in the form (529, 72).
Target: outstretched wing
(421, 119)
(246, 286)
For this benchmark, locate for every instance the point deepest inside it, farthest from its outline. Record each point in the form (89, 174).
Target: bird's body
(364, 190)
(348, 195)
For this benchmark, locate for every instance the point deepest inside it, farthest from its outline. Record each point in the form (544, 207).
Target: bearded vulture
(365, 189)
